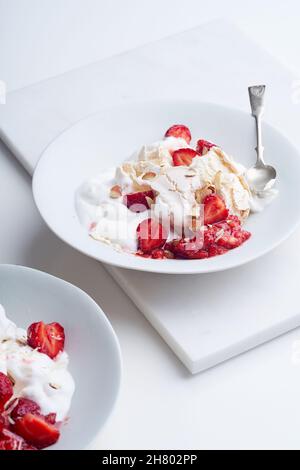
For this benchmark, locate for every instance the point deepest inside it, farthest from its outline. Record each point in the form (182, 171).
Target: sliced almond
(115, 192)
(190, 173)
(138, 172)
(200, 194)
(11, 379)
(55, 386)
(220, 234)
(127, 168)
(217, 180)
(149, 201)
(150, 175)
(140, 187)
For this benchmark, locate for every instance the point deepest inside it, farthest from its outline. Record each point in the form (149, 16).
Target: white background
(251, 401)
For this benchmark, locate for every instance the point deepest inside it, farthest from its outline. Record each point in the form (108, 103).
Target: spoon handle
(256, 95)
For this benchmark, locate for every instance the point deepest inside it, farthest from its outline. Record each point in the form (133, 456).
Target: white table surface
(248, 402)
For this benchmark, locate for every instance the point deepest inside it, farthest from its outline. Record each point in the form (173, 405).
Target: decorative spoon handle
(256, 95)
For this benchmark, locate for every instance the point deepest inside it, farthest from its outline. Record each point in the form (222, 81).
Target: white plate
(106, 139)
(95, 359)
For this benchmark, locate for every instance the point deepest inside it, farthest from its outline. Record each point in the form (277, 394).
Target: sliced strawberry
(48, 339)
(11, 441)
(183, 156)
(151, 235)
(6, 390)
(210, 234)
(233, 240)
(188, 249)
(214, 209)
(179, 131)
(50, 418)
(203, 146)
(139, 202)
(233, 222)
(22, 406)
(10, 444)
(36, 431)
(215, 250)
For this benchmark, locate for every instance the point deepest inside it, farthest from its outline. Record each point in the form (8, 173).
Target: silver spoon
(261, 177)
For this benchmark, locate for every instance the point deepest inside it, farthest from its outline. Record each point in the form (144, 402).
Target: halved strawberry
(6, 390)
(48, 339)
(214, 209)
(139, 202)
(151, 235)
(22, 406)
(183, 156)
(179, 131)
(36, 431)
(203, 146)
(188, 248)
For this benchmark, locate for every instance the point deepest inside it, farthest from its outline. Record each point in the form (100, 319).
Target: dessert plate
(108, 138)
(95, 359)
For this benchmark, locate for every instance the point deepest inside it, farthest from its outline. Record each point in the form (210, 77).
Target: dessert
(36, 387)
(170, 200)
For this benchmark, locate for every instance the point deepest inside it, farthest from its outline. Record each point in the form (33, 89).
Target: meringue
(151, 168)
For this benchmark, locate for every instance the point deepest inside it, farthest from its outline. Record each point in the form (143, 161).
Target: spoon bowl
(261, 178)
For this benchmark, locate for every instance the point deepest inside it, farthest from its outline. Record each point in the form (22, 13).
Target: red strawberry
(158, 254)
(36, 431)
(22, 406)
(50, 418)
(138, 202)
(214, 209)
(6, 390)
(3, 423)
(233, 222)
(143, 255)
(210, 234)
(151, 235)
(15, 444)
(215, 250)
(183, 156)
(48, 339)
(188, 248)
(179, 131)
(203, 146)
(11, 443)
(233, 240)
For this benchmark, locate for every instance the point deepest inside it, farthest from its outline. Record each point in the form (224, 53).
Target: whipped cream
(36, 376)
(151, 168)
(260, 200)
